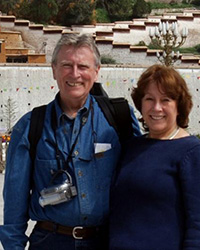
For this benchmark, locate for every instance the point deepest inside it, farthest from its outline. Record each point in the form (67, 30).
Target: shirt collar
(60, 113)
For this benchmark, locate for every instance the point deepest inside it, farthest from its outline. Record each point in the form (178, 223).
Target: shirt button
(83, 195)
(76, 153)
(52, 171)
(84, 120)
(80, 173)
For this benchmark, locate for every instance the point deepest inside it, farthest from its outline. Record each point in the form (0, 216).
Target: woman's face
(159, 112)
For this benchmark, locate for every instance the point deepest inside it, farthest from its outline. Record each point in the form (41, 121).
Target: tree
(187, 1)
(196, 2)
(8, 6)
(141, 8)
(38, 11)
(10, 114)
(23, 9)
(101, 16)
(76, 12)
(118, 10)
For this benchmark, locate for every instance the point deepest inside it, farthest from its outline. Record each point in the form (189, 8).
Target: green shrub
(197, 47)
(198, 136)
(141, 8)
(105, 59)
(193, 50)
(190, 50)
(141, 43)
(102, 16)
(157, 5)
(152, 45)
(173, 4)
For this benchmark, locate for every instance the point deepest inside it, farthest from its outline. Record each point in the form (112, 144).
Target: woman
(155, 199)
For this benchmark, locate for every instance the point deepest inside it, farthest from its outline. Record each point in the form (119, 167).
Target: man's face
(75, 73)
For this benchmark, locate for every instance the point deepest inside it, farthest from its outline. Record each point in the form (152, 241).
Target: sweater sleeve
(190, 182)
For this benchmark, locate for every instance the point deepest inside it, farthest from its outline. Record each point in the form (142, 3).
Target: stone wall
(30, 86)
(111, 37)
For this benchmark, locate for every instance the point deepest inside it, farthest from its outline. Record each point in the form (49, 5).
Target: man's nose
(75, 71)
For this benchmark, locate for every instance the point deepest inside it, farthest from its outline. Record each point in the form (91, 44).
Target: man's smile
(74, 84)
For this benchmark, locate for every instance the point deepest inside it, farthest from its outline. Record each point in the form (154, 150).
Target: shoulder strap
(98, 90)
(36, 127)
(117, 112)
(123, 117)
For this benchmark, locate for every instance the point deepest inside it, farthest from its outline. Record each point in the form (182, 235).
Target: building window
(17, 59)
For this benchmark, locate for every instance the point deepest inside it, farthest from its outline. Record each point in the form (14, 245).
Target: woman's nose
(157, 106)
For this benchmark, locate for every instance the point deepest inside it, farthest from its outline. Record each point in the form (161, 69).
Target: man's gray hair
(77, 41)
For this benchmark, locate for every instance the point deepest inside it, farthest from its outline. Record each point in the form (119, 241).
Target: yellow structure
(12, 49)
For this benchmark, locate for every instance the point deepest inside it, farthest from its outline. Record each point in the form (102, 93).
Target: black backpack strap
(36, 127)
(97, 90)
(123, 118)
(108, 110)
(118, 115)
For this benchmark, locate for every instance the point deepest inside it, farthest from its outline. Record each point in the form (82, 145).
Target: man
(67, 190)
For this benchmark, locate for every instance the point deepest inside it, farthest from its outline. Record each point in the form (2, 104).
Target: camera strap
(54, 127)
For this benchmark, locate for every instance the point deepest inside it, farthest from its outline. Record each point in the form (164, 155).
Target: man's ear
(53, 71)
(97, 73)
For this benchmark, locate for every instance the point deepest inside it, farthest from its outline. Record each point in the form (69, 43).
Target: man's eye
(83, 66)
(66, 65)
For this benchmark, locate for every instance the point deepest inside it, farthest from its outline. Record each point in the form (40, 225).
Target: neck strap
(54, 127)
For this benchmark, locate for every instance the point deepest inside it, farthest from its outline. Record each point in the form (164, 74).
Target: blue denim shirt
(91, 172)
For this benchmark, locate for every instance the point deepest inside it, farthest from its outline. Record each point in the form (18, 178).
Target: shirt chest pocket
(104, 165)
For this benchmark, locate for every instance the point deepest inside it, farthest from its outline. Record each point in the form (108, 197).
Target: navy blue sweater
(155, 198)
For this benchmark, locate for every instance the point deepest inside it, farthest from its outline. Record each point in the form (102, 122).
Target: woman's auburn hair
(169, 81)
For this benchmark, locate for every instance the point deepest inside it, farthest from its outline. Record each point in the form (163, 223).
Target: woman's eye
(166, 100)
(148, 98)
